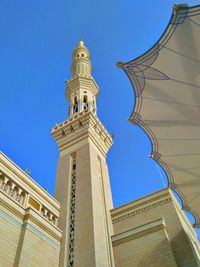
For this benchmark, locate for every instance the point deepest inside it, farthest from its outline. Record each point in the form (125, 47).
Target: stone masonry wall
(150, 208)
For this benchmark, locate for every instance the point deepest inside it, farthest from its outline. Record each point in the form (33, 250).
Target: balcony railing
(25, 199)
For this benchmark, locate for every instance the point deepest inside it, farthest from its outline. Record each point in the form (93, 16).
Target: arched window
(75, 104)
(85, 101)
(94, 105)
(75, 100)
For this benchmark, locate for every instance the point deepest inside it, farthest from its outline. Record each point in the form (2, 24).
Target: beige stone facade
(82, 183)
(80, 227)
(28, 220)
(153, 231)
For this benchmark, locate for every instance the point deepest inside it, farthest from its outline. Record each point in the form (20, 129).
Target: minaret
(82, 182)
(82, 88)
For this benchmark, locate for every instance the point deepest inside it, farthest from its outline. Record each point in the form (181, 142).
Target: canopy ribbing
(166, 82)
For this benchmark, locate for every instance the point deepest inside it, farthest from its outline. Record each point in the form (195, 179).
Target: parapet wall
(153, 231)
(28, 220)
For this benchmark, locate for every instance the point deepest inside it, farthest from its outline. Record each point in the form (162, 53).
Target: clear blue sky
(37, 39)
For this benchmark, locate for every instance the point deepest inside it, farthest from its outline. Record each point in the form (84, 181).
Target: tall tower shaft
(82, 182)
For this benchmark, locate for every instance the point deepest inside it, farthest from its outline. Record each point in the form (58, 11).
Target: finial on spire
(81, 43)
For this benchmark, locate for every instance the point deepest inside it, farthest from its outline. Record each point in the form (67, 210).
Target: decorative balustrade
(11, 189)
(47, 214)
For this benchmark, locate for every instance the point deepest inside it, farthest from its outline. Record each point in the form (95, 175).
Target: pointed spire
(81, 43)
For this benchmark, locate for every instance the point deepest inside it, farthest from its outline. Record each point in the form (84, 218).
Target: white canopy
(166, 82)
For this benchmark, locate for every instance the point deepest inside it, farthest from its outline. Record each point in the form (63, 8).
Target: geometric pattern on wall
(72, 215)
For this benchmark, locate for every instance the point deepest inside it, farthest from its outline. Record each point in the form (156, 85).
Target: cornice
(12, 207)
(83, 82)
(26, 182)
(31, 216)
(138, 209)
(138, 232)
(84, 125)
(13, 190)
(23, 214)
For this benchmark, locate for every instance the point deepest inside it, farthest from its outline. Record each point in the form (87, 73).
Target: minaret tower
(82, 182)
(82, 88)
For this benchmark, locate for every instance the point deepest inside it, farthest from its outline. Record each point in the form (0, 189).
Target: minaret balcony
(82, 125)
(82, 106)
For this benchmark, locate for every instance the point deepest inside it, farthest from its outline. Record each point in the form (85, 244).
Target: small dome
(81, 64)
(81, 51)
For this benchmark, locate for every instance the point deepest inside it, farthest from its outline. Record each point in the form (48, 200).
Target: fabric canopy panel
(166, 82)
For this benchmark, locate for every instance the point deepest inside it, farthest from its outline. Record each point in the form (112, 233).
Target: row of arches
(83, 106)
(85, 99)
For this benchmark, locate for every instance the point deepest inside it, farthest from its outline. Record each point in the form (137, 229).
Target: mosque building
(79, 227)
